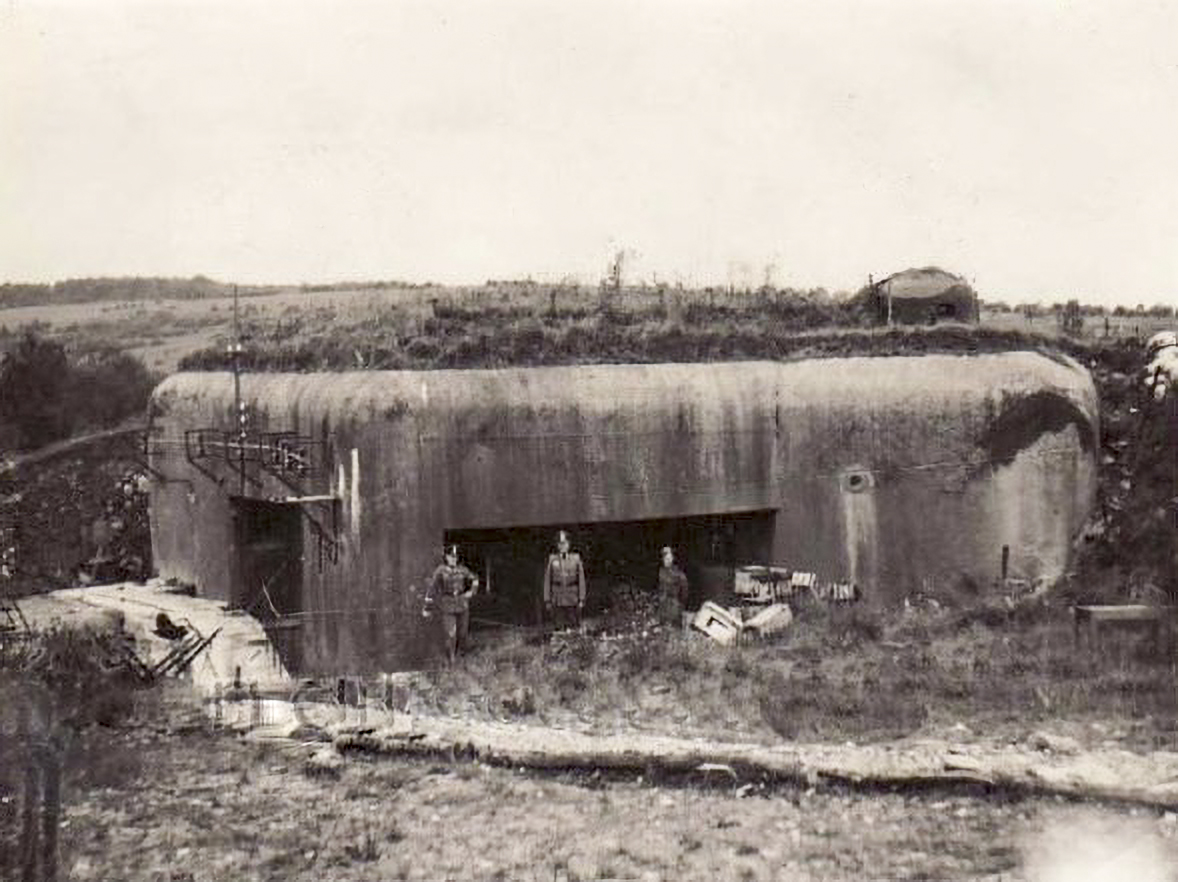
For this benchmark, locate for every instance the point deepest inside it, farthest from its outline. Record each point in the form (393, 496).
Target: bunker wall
(898, 473)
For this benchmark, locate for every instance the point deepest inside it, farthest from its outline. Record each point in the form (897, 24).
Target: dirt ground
(205, 807)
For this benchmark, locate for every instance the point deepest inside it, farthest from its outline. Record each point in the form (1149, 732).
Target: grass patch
(838, 674)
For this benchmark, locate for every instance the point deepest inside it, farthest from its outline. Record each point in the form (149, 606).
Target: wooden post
(50, 812)
(28, 826)
(1172, 441)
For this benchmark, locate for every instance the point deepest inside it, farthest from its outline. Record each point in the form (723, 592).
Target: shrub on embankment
(69, 714)
(47, 393)
(467, 340)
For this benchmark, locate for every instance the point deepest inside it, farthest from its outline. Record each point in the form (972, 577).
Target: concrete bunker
(928, 295)
(893, 473)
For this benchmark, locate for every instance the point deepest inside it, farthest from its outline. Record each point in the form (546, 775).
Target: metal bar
(190, 436)
(197, 649)
(238, 414)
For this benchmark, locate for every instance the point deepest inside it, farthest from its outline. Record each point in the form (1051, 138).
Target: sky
(1030, 146)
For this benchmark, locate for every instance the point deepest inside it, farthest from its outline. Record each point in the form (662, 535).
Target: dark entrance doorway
(617, 554)
(268, 544)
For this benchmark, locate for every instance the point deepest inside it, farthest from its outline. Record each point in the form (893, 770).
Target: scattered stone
(521, 702)
(1048, 741)
(324, 763)
(716, 767)
(582, 867)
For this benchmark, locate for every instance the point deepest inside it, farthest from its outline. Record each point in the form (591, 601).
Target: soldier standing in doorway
(449, 590)
(672, 590)
(564, 585)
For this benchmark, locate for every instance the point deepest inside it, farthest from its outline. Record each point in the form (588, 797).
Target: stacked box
(718, 623)
(757, 584)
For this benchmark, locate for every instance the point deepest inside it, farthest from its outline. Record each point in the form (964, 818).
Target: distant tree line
(93, 290)
(1158, 310)
(47, 394)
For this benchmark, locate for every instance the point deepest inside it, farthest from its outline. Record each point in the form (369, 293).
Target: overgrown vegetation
(491, 339)
(839, 673)
(47, 394)
(1127, 550)
(62, 694)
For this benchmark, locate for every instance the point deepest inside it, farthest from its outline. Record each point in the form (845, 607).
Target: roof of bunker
(926, 282)
(534, 343)
(932, 383)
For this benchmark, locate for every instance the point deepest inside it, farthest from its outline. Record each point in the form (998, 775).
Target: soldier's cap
(667, 550)
(562, 536)
(451, 550)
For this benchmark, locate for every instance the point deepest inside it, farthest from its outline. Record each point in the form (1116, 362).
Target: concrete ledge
(1088, 620)
(241, 645)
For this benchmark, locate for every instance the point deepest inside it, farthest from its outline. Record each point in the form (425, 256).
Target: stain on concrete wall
(1025, 417)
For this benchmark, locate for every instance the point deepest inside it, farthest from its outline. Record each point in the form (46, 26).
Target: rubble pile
(79, 517)
(630, 619)
(631, 613)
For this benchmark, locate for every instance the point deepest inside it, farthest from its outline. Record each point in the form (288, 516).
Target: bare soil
(214, 807)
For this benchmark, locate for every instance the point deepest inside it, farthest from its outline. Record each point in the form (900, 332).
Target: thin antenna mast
(236, 350)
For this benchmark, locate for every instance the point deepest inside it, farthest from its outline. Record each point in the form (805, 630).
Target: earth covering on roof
(925, 283)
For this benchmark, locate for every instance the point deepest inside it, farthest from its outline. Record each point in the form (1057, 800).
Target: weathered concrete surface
(241, 643)
(913, 295)
(896, 473)
(1112, 775)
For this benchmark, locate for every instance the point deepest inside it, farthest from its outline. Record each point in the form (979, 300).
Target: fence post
(50, 812)
(28, 826)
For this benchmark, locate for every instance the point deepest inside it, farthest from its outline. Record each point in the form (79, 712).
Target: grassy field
(1094, 329)
(982, 672)
(283, 322)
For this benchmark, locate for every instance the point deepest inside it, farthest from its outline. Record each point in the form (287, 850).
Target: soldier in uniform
(1162, 371)
(672, 590)
(449, 591)
(564, 585)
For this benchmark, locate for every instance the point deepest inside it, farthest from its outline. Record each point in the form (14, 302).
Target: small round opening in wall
(858, 481)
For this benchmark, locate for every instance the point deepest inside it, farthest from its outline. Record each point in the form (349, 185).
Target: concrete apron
(241, 650)
(269, 702)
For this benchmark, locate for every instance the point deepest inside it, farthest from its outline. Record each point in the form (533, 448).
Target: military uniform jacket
(564, 580)
(673, 584)
(447, 588)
